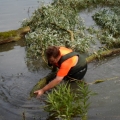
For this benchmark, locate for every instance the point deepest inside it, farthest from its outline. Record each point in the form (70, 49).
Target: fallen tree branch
(102, 54)
(13, 35)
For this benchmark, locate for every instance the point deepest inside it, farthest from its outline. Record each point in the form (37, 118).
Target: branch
(13, 35)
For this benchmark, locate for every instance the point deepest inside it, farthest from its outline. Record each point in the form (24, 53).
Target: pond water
(17, 77)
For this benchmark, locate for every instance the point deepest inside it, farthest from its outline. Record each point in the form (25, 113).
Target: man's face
(53, 60)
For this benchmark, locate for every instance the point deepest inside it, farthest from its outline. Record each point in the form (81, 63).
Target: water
(17, 77)
(12, 12)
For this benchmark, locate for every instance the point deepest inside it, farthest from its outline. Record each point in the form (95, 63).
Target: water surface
(17, 77)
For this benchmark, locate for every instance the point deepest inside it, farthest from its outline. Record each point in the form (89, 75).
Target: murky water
(17, 76)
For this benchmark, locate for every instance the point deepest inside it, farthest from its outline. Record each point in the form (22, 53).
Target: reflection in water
(14, 97)
(36, 65)
(16, 81)
(10, 46)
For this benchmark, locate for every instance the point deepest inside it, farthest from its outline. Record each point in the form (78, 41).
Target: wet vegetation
(64, 103)
(109, 20)
(60, 24)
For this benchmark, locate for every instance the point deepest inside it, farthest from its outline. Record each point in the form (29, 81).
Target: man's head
(53, 54)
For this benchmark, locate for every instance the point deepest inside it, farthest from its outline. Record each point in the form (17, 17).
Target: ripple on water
(14, 97)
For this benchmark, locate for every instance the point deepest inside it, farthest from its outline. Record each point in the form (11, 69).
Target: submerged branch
(41, 83)
(102, 54)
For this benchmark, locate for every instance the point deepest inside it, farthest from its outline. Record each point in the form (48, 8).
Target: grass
(65, 104)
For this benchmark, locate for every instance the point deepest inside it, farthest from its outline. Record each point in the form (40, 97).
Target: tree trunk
(13, 35)
(102, 54)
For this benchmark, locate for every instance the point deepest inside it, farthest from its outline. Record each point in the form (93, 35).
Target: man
(70, 64)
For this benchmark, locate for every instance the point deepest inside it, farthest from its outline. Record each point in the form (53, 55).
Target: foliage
(60, 24)
(65, 103)
(109, 20)
(49, 26)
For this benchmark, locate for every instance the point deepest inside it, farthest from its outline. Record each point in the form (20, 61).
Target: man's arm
(50, 85)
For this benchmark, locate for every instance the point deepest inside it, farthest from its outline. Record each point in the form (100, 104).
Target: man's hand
(39, 92)
(50, 85)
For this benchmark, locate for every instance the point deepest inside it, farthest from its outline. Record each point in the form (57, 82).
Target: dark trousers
(79, 74)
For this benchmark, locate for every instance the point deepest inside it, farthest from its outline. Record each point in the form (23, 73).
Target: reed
(64, 103)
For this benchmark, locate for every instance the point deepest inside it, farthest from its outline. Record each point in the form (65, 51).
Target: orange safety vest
(67, 63)
(65, 66)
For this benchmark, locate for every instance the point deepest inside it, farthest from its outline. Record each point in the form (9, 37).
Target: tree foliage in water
(109, 20)
(60, 24)
(53, 25)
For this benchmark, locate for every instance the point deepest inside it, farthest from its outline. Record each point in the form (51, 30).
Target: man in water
(70, 64)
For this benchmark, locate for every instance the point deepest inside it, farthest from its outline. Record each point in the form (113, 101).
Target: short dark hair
(52, 51)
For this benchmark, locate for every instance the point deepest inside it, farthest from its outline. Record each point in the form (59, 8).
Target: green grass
(66, 104)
